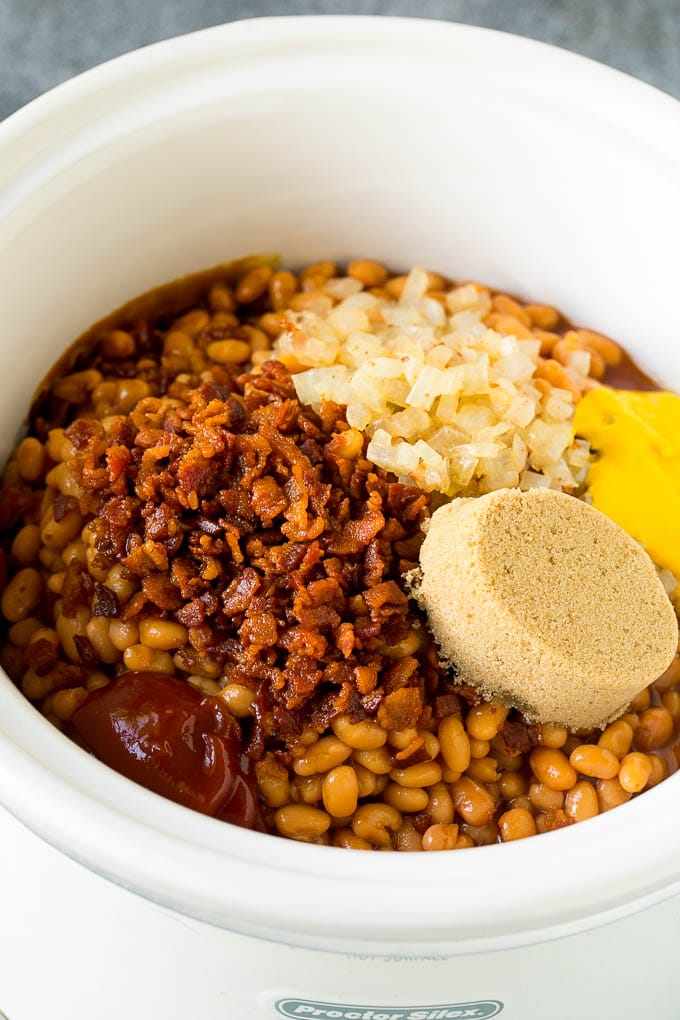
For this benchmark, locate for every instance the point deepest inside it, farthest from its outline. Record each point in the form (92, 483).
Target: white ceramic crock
(481, 155)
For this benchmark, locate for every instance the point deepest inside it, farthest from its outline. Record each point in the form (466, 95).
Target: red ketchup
(161, 733)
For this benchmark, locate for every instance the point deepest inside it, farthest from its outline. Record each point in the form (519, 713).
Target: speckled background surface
(44, 42)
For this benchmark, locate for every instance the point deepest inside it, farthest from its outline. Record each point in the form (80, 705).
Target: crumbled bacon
(232, 510)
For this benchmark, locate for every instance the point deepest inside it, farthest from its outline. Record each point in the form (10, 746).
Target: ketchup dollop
(165, 736)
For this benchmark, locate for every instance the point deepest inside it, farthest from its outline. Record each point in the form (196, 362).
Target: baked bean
(464, 841)
(26, 545)
(395, 286)
(75, 388)
(229, 352)
(544, 316)
(141, 657)
(483, 770)
(368, 272)
(671, 702)
(203, 685)
(178, 343)
(64, 703)
(558, 376)
(431, 743)
(273, 323)
(454, 743)
(401, 739)
(641, 701)
(484, 721)
(405, 799)
(655, 729)
(301, 822)
(61, 477)
(362, 736)
(340, 791)
(472, 802)
(21, 633)
(441, 836)
(450, 775)
(552, 767)
(120, 583)
(96, 679)
(505, 305)
(67, 627)
(581, 801)
(253, 285)
(58, 534)
(611, 794)
(273, 783)
(482, 835)
(36, 687)
(319, 272)
(239, 700)
(366, 780)
(610, 352)
(659, 768)
(509, 325)
(376, 760)
(129, 392)
(97, 630)
(193, 322)
(46, 634)
(407, 837)
(512, 784)
(553, 736)
(381, 784)
(440, 803)
(594, 761)
(22, 595)
(375, 822)
(322, 756)
(671, 678)
(425, 773)
(221, 298)
(306, 789)
(617, 738)
(544, 798)
(123, 634)
(635, 772)
(163, 634)
(117, 343)
(282, 286)
(479, 748)
(345, 838)
(517, 823)
(30, 457)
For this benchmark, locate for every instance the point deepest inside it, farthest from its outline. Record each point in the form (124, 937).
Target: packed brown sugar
(197, 523)
(542, 601)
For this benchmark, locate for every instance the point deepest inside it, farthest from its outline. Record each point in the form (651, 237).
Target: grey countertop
(44, 42)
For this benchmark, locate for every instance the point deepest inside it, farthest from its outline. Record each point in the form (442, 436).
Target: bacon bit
(118, 458)
(415, 753)
(345, 639)
(516, 736)
(105, 601)
(400, 709)
(41, 655)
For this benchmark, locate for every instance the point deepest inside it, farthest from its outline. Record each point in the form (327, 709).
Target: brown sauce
(628, 376)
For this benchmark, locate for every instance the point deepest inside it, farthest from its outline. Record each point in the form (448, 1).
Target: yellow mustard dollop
(635, 477)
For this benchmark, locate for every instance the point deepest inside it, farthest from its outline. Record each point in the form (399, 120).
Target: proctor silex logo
(304, 1008)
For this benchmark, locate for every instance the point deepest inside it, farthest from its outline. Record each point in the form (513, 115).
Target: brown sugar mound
(541, 601)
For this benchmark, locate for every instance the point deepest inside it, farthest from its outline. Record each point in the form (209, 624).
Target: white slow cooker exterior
(479, 154)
